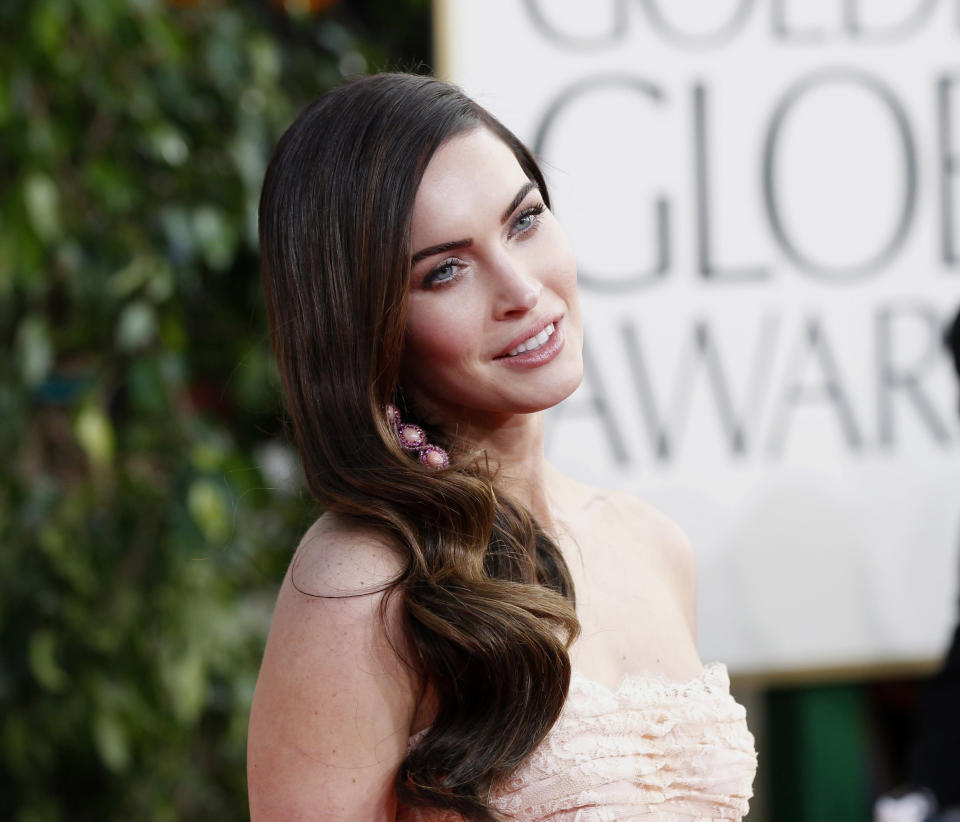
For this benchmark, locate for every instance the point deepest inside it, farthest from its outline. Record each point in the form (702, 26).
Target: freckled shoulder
(335, 703)
(339, 557)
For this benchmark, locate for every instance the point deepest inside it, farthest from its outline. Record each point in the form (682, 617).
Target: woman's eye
(444, 273)
(528, 218)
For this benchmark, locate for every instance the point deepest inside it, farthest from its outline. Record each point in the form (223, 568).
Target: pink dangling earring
(413, 438)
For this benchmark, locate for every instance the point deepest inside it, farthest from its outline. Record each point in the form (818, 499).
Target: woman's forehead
(471, 175)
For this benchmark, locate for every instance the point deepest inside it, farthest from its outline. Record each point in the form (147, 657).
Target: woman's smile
(536, 350)
(539, 334)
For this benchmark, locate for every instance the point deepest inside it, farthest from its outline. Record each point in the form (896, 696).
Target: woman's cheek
(438, 333)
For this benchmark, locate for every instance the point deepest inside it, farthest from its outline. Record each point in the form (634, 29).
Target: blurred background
(764, 215)
(149, 501)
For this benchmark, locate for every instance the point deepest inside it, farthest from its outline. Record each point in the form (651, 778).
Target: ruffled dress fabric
(651, 750)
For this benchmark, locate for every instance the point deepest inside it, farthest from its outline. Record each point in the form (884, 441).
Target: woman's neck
(515, 448)
(514, 445)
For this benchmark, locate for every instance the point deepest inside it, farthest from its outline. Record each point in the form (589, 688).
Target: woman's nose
(517, 291)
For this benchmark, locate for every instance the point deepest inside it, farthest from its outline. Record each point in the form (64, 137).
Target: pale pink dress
(653, 750)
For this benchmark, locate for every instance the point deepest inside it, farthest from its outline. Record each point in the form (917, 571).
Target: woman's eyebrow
(525, 189)
(440, 249)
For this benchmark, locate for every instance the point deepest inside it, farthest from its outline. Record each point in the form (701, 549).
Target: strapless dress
(653, 749)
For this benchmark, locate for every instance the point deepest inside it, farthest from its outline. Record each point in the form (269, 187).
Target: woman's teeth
(534, 342)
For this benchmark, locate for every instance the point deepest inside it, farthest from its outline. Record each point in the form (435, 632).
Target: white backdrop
(764, 196)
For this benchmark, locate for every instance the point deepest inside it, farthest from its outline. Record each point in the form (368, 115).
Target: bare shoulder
(665, 543)
(339, 557)
(652, 525)
(334, 703)
(631, 531)
(633, 517)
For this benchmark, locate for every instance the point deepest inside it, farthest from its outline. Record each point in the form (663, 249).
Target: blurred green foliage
(148, 501)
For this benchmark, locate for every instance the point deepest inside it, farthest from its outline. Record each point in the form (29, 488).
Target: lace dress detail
(653, 750)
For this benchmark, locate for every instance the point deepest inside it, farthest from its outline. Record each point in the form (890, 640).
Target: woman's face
(493, 323)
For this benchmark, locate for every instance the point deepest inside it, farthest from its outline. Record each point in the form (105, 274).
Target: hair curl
(487, 597)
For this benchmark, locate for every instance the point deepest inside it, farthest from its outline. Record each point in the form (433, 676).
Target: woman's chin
(569, 382)
(556, 393)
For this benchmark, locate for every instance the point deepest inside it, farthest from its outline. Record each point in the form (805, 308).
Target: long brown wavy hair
(488, 600)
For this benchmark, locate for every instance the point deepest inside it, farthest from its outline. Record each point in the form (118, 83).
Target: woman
(427, 657)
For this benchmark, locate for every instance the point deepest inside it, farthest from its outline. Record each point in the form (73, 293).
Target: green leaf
(137, 326)
(215, 236)
(147, 386)
(209, 509)
(169, 145)
(110, 737)
(186, 680)
(43, 661)
(49, 24)
(94, 432)
(42, 200)
(34, 350)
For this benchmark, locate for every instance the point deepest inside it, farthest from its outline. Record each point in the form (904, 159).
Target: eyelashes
(445, 273)
(532, 214)
(451, 269)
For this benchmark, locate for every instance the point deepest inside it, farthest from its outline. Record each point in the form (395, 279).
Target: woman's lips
(539, 356)
(531, 332)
